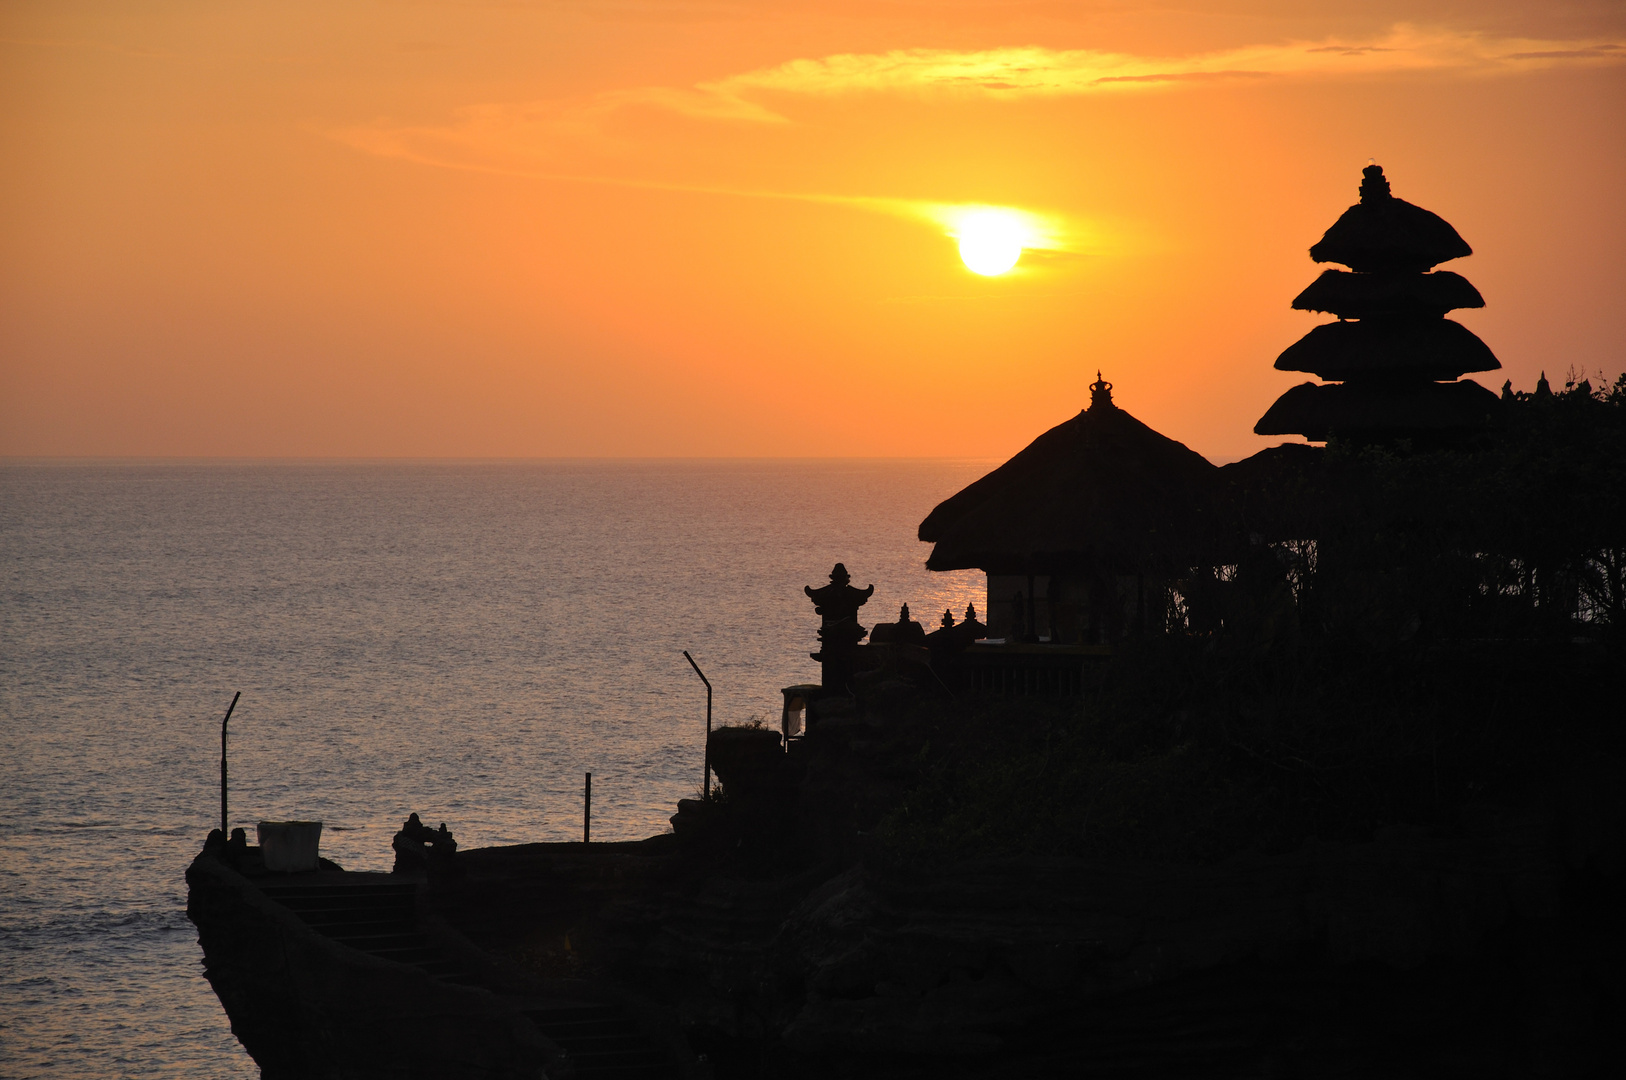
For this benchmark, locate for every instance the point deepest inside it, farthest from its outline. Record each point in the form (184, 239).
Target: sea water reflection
(464, 640)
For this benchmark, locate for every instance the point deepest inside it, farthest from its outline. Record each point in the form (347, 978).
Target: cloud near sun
(523, 137)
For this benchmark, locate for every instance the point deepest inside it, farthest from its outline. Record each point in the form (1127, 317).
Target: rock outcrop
(1486, 949)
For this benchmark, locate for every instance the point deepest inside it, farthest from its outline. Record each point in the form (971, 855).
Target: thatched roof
(1360, 296)
(1319, 412)
(1419, 349)
(1273, 493)
(1384, 234)
(1101, 490)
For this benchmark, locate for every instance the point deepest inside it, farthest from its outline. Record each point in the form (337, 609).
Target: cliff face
(305, 1007)
(1405, 956)
(1486, 949)
(789, 928)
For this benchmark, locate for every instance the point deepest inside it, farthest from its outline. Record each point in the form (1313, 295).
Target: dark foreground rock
(774, 935)
(330, 975)
(1489, 953)
(304, 1006)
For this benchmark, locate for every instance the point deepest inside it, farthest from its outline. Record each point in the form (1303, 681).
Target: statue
(418, 847)
(839, 633)
(237, 847)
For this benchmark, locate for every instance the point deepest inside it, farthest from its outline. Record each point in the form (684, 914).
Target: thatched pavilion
(1389, 360)
(1080, 532)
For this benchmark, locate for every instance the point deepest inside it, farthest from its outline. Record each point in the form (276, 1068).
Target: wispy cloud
(1034, 71)
(1590, 52)
(1050, 234)
(527, 138)
(512, 132)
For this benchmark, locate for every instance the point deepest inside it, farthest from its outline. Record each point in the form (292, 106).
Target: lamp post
(705, 767)
(225, 833)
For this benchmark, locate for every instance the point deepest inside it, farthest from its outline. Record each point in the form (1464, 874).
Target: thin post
(587, 811)
(224, 831)
(705, 759)
(1140, 605)
(1032, 628)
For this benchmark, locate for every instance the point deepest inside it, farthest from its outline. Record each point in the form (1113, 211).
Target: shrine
(1080, 532)
(1391, 362)
(837, 605)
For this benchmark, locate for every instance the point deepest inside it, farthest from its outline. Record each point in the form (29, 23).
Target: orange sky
(650, 228)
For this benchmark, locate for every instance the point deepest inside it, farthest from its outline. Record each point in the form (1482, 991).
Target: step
(365, 894)
(585, 1029)
(374, 942)
(619, 1059)
(356, 915)
(360, 903)
(358, 926)
(421, 954)
(569, 1013)
(456, 978)
(625, 1072)
(624, 1037)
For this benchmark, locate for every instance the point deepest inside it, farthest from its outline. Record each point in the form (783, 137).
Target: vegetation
(1522, 534)
(1454, 641)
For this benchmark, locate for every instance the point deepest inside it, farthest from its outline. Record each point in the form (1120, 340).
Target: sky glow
(594, 228)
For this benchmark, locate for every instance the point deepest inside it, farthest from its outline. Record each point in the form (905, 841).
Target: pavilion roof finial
(1101, 393)
(1374, 185)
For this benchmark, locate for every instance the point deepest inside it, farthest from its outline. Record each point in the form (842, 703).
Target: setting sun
(991, 240)
(602, 229)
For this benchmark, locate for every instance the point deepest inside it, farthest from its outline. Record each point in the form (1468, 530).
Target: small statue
(416, 831)
(837, 605)
(418, 847)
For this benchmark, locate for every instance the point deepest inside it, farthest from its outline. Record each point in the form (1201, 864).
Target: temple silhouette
(1078, 530)
(1389, 361)
(1103, 531)
(1308, 765)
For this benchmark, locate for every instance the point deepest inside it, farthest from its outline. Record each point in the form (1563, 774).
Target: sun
(991, 240)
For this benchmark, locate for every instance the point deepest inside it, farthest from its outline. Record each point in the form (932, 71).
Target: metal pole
(705, 767)
(225, 833)
(587, 811)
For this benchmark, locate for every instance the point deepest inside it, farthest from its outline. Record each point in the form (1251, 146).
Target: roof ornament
(1374, 185)
(1101, 393)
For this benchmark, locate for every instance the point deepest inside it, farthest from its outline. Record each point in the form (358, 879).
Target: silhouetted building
(1389, 360)
(839, 632)
(1080, 532)
(906, 631)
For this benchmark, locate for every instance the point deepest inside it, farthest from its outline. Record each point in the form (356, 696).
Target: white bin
(290, 845)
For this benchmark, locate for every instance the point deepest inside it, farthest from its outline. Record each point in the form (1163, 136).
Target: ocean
(463, 640)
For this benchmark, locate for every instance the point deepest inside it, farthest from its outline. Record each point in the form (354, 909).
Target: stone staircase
(376, 917)
(602, 1043)
(376, 914)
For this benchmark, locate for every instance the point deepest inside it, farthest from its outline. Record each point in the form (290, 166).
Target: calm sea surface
(463, 640)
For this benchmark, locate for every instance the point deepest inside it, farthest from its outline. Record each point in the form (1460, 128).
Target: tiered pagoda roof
(1392, 354)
